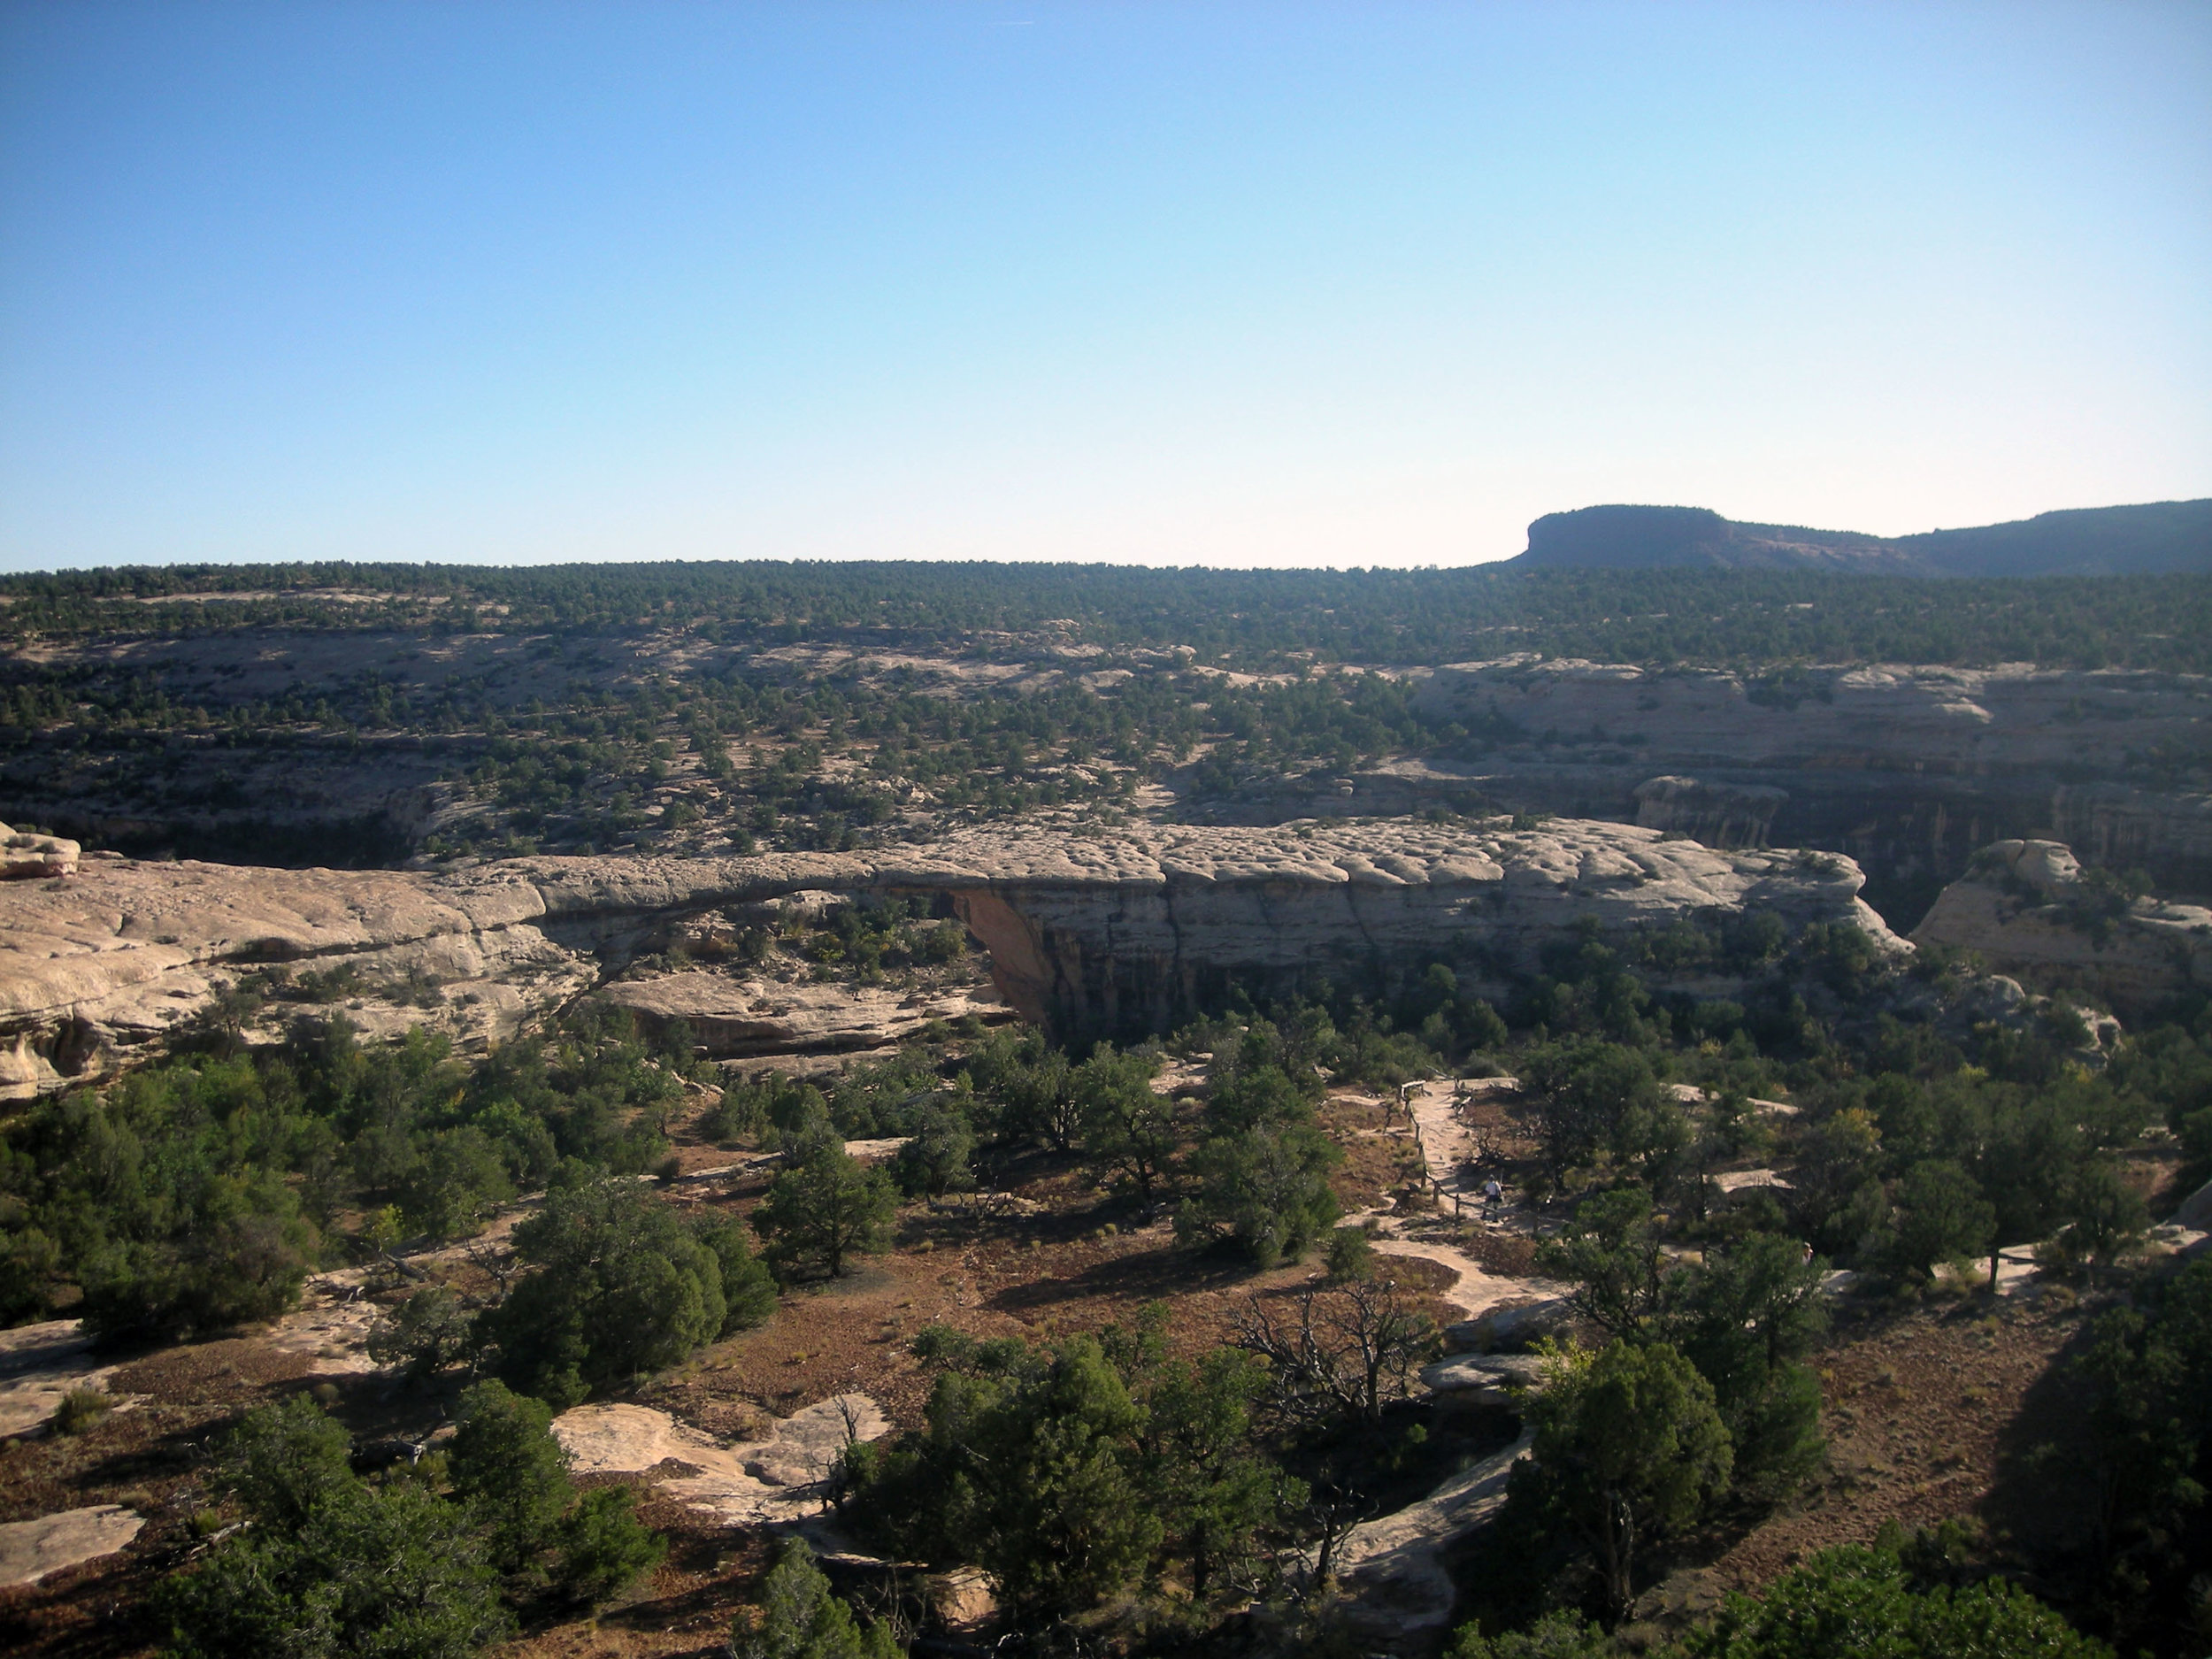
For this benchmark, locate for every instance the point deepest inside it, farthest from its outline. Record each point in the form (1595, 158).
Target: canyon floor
(1927, 1405)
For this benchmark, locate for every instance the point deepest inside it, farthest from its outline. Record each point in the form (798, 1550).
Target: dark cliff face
(1906, 770)
(1134, 958)
(1627, 538)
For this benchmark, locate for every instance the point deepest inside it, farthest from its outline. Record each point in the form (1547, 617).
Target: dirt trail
(1446, 1139)
(1477, 1290)
(1448, 1144)
(1393, 1566)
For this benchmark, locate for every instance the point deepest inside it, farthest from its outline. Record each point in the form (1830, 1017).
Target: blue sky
(1267, 284)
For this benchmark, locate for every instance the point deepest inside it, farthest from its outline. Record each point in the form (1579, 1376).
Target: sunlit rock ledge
(1109, 933)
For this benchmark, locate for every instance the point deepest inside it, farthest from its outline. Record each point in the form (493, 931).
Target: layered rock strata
(1112, 933)
(25, 855)
(1908, 770)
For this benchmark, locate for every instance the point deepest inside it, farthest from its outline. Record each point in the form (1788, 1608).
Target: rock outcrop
(1112, 933)
(732, 1019)
(2027, 911)
(32, 1550)
(26, 857)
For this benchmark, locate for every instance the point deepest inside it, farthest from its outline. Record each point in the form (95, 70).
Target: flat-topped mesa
(1106, 934)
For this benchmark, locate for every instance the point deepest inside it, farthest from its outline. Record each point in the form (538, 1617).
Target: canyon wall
(1906, 770)
(1110, 934)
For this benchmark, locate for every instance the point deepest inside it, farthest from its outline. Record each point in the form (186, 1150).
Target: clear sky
(1260, 284)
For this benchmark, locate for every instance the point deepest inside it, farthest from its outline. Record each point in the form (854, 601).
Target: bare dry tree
(1336, 1351)
(494, 1262)
(1334, 1513)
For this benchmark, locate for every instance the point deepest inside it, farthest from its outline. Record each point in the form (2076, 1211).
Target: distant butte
(2159, 538)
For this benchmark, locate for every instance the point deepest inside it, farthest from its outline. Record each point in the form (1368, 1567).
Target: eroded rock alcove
(1106, 935)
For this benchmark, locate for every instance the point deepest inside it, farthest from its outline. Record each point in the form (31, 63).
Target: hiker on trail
(1492, 1195)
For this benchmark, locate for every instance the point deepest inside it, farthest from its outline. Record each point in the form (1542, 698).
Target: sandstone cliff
(1908, 770)
(2027, 911)
(1111, 933)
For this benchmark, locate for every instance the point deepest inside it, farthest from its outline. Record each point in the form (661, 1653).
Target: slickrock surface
(2026, 911)
(748, 1482)
(1111, 933)
(1394, 1576)
(29, 1550)
(39, 1363)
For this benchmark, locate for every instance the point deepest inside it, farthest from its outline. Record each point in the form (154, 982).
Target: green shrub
(1629, 1446)
(825, 1209)
(427, 1332)
(80, 1409)
(603, 1548)
(332, 1567)
(748, 1289)
(391, 1571)
(1266, 1187)
(509, 1472)
(800, 1618)
(1554, 1636)
(1351, 1253)
(1851, 1603)
(619, 1287)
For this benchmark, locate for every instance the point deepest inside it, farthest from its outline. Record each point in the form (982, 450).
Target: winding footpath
(1393, 1567)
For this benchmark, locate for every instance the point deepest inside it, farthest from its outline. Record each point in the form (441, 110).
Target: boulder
(1486, 1379)
(734, 1019)
(1506, 1329)
(25, 856)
